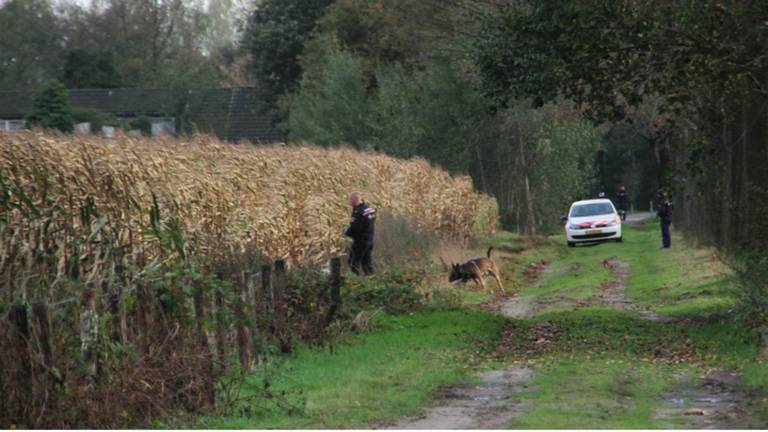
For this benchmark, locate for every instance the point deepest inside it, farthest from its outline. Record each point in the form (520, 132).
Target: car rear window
(593, 209)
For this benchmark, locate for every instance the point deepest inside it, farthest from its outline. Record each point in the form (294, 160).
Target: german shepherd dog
(476, 269)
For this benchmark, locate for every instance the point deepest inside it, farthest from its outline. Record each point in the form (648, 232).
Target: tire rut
(494, 403)
(716, 401)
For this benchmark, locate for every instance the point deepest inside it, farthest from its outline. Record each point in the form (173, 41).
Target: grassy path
(378, 376)
(633, 336)
(610, 336)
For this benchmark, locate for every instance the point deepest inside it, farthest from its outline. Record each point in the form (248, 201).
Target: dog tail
(489, 251)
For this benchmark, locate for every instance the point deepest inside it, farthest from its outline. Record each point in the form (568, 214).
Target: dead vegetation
(144, 254)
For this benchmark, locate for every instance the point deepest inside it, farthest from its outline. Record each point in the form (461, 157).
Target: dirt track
(491, 404)
(714, 401)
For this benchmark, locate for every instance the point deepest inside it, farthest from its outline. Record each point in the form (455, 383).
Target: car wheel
(571, 244)
(620, 239)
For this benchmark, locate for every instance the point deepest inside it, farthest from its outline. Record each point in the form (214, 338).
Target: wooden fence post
(278, 290)
(18, 317)
(335, 289)
(278, 294)
(221, 331)
(113, 301)
(198, 297)
(267, 294)
(253, 301)
(143, 317)
(243, 348)
(280, 306)
(89, 332)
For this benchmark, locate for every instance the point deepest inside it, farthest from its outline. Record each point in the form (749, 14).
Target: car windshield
(592, 209)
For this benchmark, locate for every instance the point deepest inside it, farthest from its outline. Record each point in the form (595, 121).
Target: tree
(434, 113)
(334, 109)
(611, 55)
(155, 43)
(275, 37)
(85, 68)
(30, 38)
(51, 109)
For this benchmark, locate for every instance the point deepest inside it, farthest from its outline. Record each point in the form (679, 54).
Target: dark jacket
(622, 200)
(361, 224)
(664, 211)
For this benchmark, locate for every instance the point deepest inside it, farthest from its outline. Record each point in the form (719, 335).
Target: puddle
(709, 399)
(717, 401)
(492, 404)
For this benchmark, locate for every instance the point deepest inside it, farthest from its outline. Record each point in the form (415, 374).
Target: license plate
(590, 232)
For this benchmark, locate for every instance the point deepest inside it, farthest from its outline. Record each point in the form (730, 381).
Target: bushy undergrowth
(400, 243)
(394, 292)
(751, 268)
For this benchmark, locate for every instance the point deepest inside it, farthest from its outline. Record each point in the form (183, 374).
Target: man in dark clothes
(361, 230)
(664, 210)
(622, 201)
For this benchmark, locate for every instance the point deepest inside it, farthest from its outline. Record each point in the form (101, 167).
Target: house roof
(232, 113)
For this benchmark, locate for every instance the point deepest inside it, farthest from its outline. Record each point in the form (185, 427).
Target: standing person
(623, 202)
(361, 230)
(664, 210)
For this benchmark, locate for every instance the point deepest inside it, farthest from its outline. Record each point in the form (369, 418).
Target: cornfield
(80, 207)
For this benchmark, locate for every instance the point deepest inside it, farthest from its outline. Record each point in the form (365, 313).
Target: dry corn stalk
(77, 206)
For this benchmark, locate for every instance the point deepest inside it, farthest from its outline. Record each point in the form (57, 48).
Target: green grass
(680, 281)
(683, 280)
(601, 368)
(382, 375)
(596, 393)
(605, 368)
(471, 297)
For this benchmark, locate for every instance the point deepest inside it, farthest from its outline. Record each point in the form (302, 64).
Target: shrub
(393, 291)
(96, 118)
(51, 109)
(401, 243)
(142, 124)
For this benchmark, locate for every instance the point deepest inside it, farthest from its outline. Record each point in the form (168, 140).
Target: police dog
(476, 269)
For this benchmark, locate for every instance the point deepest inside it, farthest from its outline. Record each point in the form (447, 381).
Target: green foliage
(612, 55)
(275, 38)
(751, 267)
(51, 109)
(365, 28)
(432, 113)
(544, 166)
(393, 291)
(96, 118)
(334, 109)
(374, 376)
(142, 124)
(85, 68)
(30, 37)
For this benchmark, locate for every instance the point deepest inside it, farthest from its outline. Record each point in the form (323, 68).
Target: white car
(591, 221)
